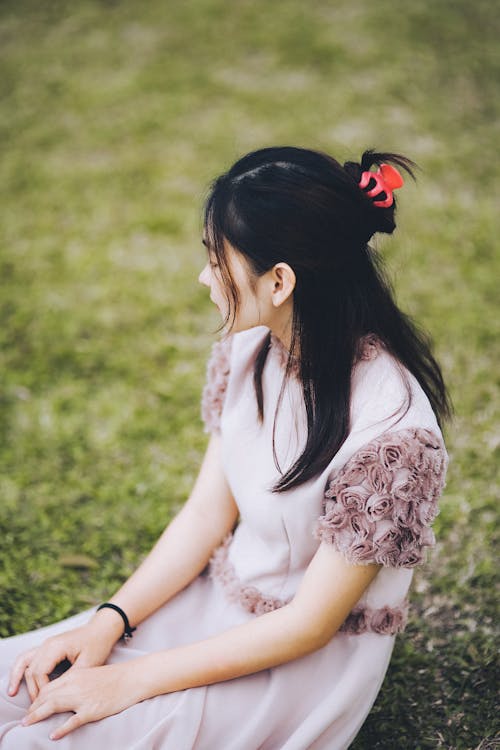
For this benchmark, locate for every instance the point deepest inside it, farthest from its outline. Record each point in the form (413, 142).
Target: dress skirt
(318, 701)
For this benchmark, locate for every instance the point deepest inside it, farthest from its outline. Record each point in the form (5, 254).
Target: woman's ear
(283, 280)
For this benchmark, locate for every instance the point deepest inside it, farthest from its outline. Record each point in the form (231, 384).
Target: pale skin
(330, 587)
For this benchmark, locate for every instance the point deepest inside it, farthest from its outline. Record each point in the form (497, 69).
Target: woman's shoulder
(385, 481)
(384, 392)
(233, 347)
(246, 344)
(231, 355)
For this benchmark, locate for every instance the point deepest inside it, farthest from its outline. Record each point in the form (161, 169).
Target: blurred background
(114, 118)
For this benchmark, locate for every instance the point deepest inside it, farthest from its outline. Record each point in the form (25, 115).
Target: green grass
(113, 119)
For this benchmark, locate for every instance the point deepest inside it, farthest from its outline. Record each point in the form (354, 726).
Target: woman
(313, 502)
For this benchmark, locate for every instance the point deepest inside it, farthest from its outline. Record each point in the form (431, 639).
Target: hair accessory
(127, 633)
(387, 179)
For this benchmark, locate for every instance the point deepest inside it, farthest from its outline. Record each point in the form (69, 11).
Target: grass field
(113, 119)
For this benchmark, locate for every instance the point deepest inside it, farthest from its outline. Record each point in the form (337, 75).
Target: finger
(44, 708)
(18, 669)
(40, 681)
(31, 684)
(44, 696)
(60, 669)
(72, 723)
(45, 664)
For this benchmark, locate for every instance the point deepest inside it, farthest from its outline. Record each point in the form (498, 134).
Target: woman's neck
(282, 330)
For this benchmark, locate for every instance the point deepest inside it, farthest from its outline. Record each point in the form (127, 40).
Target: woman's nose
(204, 277)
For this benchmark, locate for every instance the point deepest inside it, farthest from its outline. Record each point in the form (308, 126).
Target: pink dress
(375, 501)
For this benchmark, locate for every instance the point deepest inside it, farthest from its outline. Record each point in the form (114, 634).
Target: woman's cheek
(220, 303)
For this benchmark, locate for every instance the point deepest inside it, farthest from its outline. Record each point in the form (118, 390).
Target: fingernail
(11, 689)
(25, 721)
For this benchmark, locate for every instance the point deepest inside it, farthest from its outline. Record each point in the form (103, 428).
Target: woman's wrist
(108, 623)
(152, 674)
(128, 630)
(132, 677)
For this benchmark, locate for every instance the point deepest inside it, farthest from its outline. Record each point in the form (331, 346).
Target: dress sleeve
(214, 390)
(379, 506)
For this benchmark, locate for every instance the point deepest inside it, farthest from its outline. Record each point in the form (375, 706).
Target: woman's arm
(180, 554)
(328, 592)
(183, 549)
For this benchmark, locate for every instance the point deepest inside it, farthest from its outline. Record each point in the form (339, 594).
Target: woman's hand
(92, 693)
(86, 646)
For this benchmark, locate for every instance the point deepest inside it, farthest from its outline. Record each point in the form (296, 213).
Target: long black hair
(304, 208)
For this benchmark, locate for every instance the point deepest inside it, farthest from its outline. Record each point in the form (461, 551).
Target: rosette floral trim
(214, 391)
(378, 508)
(369, 347)
(385, 620)
(249, 597)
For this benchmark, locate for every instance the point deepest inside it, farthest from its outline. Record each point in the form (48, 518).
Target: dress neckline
(369, 347)
(282, 353)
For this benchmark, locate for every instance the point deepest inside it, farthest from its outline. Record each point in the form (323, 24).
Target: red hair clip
(387, 179)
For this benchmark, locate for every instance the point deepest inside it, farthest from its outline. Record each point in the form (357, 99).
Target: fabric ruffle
(369, 347)
(385, 620)
(214, 391)
(249, 597)
(378, 508)
(218, 366)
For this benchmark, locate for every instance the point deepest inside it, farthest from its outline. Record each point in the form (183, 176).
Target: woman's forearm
(181, 552)
(264, 642)
(330, 588)
(179, 555)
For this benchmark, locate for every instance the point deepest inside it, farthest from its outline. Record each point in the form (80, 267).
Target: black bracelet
(127, 633)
